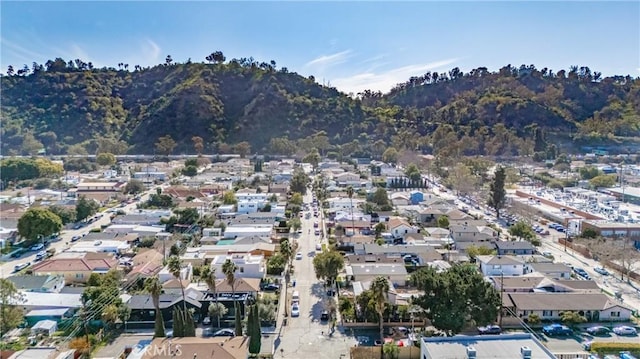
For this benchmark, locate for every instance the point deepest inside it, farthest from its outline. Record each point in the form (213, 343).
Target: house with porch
(596, 307)
(500, 266)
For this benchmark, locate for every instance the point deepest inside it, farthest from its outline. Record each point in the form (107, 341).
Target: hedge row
(615, 348)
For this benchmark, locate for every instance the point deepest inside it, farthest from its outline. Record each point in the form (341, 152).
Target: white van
(295, 297)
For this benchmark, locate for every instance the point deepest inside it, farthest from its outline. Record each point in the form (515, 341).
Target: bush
(614, 348)
(147, 242)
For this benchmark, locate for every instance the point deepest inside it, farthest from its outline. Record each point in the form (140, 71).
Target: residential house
(550, 270)
(596, 307)
(142, 309)
(398, 227)
(514, 248)
(37, 300)
(249, 266)
(174, 286)
(146, 263)
(416, 197)
(395, 273)
(437, 232)
(38, 283)
(263, 231)
(343, 204)
(536, 282)
(347, 179)
(472, 233)
(76, 268)
(100, 246)
(194, 347)
(400, 199)
(491, 266)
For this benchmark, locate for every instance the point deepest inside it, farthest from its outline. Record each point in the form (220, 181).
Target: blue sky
(351, 45)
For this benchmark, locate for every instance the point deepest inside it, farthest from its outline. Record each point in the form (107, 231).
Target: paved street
(305, 336)
(7, 268)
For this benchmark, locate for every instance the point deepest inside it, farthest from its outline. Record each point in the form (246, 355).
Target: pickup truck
(557, 330)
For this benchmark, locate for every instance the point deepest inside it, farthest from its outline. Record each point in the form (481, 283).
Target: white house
(343, 204)
(263, 232)
(398, 227)
(249, 266)
(100, 246)
(495, 266)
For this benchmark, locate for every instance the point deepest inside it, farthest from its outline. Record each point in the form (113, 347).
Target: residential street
(305, 336)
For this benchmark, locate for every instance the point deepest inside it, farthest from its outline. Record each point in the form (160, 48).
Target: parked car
(601, 270)
(18, 253)
(324, 316)
(295, 310)
(625, 330)
(20, 267)
(41, 255)
(225, 333)
(489, 329)
(75, 238)
(299, 256)
(598, 330)
(318, 247)
(270, 287)
(557, 330)
(37, 247)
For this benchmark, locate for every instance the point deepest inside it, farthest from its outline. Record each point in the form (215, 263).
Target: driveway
(114, 349)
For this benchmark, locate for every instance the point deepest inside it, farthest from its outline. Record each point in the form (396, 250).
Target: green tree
(229, 269)
(473, 251)
(253, 330)
(217, 311)
(208, 275)
(11, 314)
(312, 158)
(455, 296)
(380, 197)
(390, 155)
(443, 222)
(198, 144)
(571, 318)
(413, 172)
(299, 182)
(106, 159)
(85, 208)
(134, 186)
(380, 296)
(154, 288)
(390, 350)
(110, 315)
(379, 228)
(190, 171)
(174, 264)
(589, 172)
(523, 230)
(66, 214)
(295, 224)
(603, 181)
(229, 197)
(497, 193)
(589, 233)
(165, 145)
(327, 265)
(36, 222)
(296, 199)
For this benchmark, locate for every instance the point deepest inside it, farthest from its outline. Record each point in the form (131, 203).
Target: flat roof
(486, 346)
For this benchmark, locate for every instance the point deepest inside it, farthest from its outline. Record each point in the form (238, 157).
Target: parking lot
(573, 344)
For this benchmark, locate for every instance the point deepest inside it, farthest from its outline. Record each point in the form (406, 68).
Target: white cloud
(21, 51)
(384, 81)
(329, 60)
(151, 51)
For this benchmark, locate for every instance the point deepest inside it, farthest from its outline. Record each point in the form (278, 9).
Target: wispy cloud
(329, 60)
(384, 81)
(21, 51)
(151, 51)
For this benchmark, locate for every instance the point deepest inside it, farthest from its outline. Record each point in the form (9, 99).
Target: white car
(295, 310)
(299, 256)
(625, 330)
(37, 247)
(318, 247)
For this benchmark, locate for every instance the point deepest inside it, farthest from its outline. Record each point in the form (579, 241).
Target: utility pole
(501, 296)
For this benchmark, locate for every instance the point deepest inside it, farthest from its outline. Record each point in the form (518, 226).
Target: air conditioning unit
(471, 352)
(526, 352)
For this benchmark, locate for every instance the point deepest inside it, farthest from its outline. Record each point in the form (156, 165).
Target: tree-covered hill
(70, 107)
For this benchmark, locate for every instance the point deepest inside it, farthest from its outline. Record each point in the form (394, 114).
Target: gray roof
(562, 301)
(507, 245)
(506, 346)
(372, 248)
(549, 267)
(102, 236)
(30, 282)
(494, 260)
(378, 269)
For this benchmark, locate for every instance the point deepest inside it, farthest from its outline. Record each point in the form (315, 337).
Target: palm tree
(154, 288)
(229, 269)
(380, 293)
(208, 274)
(175, 267)
(350, 194)
(110, 315)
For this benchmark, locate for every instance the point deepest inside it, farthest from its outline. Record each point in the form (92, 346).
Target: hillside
(71, 107)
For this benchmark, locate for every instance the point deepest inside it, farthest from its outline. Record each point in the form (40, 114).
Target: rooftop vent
(526, 352)
(471, 352)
